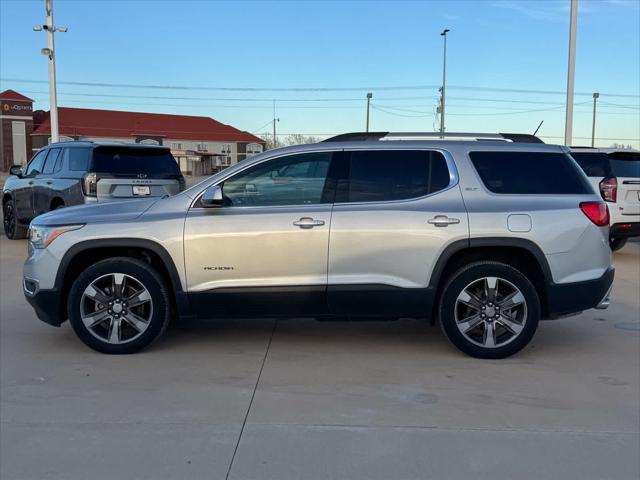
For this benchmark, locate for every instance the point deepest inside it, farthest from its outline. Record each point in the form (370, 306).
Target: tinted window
(291, 180)
(78, 159)
(530, 173)
(625, 164)
(35, 165)
(383, 175)
(594, 164)
(52, 160)
(156, 162)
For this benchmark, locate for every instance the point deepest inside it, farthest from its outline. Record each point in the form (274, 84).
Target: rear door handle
(308, 222)
(49, 182)
(443, 221)
(30, 182)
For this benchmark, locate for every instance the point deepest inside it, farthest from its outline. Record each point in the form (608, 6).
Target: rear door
(395, 212)
(135, 172)
(626, 168)
(43, 186)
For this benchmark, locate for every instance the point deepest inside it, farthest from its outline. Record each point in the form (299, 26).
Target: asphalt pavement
(300, 399)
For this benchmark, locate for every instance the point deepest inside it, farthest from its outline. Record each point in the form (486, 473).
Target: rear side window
(625, 164)
(594, 164)
(530, 173)
(53, 161)
(78, 159)
(156, 162)
(385, 175)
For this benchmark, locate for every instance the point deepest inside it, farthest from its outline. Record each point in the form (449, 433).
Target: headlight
(41, 237)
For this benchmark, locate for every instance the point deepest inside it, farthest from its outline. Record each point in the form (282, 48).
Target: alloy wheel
(490, 312)
(9, 221)
(116, 308)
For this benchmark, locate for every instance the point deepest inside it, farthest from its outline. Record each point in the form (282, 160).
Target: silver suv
(485, 235)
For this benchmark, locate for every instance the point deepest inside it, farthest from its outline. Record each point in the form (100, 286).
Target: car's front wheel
(489, 310)
(119, 305)
(12, 228)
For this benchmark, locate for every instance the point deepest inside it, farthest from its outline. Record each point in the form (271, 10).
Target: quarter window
(291, 180)
(530, 173)
(78, 159)
(385, 175)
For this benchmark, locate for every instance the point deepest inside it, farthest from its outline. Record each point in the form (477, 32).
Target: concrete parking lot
(300, 399)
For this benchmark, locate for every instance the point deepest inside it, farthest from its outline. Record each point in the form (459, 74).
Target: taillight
(609, 189)
(597, 212)
(90, 185)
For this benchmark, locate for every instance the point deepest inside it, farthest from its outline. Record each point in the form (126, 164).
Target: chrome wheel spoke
(138, 299)
(469, 323)
(97, 295)
(96, 318)
(114, 331)
(470, 300)
(136, 322)
(118, 284)
(490, 288)
(512, 300)
(489, 338)
(511, 325)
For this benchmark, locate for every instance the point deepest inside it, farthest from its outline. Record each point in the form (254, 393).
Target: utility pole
(50, 28)
(444, 81)
(369, 96)
(571, 73)
(593, 122)
(275, 120)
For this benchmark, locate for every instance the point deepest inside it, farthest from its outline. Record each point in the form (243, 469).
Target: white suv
(474, 233)
(616, 175)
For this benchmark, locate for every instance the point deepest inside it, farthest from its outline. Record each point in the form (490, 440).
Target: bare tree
(622, 146)
(293, 139)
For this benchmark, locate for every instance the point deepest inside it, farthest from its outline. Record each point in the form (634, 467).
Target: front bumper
(567, 298)
(625, 230)
(47, 304)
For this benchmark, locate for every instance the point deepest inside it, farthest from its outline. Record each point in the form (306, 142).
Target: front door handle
(49, 182)
(308, 222)
(30, 182)
(443, 221)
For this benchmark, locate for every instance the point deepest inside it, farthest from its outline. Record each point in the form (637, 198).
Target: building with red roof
(202, 145)
(16, 125)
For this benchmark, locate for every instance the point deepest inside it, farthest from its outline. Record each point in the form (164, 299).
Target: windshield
(118, 161)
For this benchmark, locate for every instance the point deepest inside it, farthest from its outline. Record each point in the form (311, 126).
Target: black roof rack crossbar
(374, 136)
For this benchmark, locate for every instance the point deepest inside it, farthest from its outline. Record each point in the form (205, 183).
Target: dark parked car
(74, 173)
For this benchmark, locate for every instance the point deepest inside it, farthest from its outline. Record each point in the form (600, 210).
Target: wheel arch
(522, 254)
(86, 253)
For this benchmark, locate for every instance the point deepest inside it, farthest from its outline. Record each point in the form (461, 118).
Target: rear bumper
(47, 305)
(625, 230)
(568, 298)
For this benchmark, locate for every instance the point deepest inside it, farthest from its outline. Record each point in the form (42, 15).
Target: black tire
(12, 228)
(138, 271)
(470, 276)
(617, 243)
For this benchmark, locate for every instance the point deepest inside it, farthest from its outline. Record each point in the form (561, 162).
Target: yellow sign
(5, 107)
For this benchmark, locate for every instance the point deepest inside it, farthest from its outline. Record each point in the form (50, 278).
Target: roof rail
(375, 136)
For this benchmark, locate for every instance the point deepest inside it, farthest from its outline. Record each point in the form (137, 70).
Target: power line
(313, 89)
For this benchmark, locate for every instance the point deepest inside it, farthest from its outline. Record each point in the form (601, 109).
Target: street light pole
(50, 52)
(568, 128)
(444, 81)
(275, 120)
(369, 96)
(593, 122)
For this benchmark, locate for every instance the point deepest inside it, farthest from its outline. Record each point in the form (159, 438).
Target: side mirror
(16, 170)
(212, 197)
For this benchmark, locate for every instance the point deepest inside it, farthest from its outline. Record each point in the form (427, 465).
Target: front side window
(386, 175)
(35, 165)
(292, 180)
(530, 173)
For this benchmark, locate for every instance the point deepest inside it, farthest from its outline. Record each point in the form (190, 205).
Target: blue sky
(357, 46)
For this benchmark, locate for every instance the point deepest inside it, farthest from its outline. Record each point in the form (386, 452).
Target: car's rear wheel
(489, 310)
(12, 229)
(119, 305)
(617, 243)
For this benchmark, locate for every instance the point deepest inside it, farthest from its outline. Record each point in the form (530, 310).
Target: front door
(395, 214)
(265, 250)
(24, 191)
